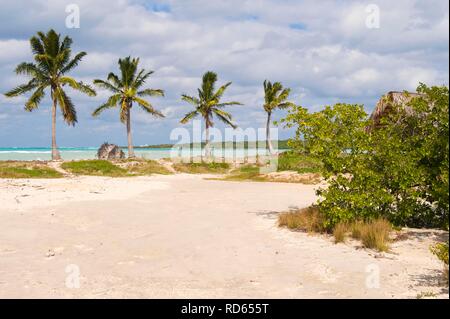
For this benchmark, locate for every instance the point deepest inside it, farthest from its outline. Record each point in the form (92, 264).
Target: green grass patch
(202, 168)
(292, 161)
(95, 168)
(245, 173)
(145, 167)
(27, 170)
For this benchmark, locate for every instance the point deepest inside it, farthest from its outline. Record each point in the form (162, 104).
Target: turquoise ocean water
(77, 153)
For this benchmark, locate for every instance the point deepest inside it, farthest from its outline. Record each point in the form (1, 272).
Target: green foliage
(53, 61)
(208, 104)
(302, 163)
(26, 170)
(95, 167)
(397, 169)
(441, 252)
(127, 89)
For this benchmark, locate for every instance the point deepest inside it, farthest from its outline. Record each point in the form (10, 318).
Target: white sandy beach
(183, 236)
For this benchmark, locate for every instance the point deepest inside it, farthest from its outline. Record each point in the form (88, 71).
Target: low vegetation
(441, 252)
(306, 168)
(307, 219)
(301, 163)
(95, 168)
(143, 167)
(27, 170)
(373, 234)
(202, 168)
(394, 165)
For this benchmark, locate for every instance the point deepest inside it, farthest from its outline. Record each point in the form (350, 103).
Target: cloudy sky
(323, 50)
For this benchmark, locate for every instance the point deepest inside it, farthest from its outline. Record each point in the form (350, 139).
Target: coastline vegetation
(393, 167)
(120, 168)
(12, 169)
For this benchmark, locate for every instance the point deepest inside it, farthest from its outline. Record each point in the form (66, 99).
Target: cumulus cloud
(322, 50)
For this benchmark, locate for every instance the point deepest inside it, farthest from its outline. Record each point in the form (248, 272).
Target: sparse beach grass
(292, 161)
(142, 167)
(202, 168)
(12, 169)
(95, 168)
(373, 234)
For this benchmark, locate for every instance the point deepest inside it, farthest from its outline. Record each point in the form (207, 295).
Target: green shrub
(396, 169)
(302, 163)
(441, 252)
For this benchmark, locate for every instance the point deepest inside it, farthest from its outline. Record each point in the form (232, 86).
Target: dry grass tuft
(375, 234)
(340, 232)
(307, 219)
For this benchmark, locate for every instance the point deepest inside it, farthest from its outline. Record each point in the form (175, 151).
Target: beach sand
(184, 236)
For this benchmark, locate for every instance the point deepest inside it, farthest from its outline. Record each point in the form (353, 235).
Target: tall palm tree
(275, 96)
(52, 62)
(127, 90)
(208, 105)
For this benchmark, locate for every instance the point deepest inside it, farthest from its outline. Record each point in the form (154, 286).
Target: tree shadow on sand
(432, 278)
(273, 214)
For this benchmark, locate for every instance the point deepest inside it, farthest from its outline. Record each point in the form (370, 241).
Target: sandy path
(183, 236)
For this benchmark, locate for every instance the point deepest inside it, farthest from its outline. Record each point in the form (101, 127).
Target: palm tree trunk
(55, 153)
(268, 139)
(207, 146)
(130, 141)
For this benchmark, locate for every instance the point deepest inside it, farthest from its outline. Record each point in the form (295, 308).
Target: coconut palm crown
(275, 97)
(208, 105)
(127, 90)
(53, 60)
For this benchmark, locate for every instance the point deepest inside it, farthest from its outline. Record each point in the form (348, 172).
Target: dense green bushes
(397, 169)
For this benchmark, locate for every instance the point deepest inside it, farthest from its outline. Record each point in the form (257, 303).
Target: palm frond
(218, 95)
(191, 99)
(35, 99)
(151, 92)
(146, 106)
(79, 86)
(21, 89)
(106, 85)
(189, 116)
(73, 63)
(112, 101)
(114, 79)
(224, 117)
(66, 105)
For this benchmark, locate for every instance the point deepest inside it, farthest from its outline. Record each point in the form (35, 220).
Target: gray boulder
(110, 151)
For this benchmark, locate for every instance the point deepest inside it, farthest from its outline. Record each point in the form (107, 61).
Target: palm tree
(127, 90)
(52, 62)
(275, 96)
(208, 104)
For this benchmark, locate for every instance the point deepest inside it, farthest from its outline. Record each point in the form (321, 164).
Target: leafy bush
(295, 161)
(397, 169)
(441, 252)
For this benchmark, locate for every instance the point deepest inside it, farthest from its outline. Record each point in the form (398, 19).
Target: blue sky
(322, 50)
